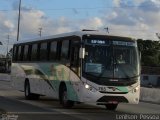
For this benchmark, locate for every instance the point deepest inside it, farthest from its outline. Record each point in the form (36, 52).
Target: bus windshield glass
(113, 59)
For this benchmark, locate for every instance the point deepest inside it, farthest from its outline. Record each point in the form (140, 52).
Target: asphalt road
(12, 102)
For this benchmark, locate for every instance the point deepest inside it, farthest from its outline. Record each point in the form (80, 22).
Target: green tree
(150, 52)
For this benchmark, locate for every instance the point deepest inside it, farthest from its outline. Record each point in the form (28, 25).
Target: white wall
(150, 94)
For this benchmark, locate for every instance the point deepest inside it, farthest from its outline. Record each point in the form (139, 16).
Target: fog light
(87, 86)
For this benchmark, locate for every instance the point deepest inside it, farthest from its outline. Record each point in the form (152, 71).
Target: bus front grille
(113, 98)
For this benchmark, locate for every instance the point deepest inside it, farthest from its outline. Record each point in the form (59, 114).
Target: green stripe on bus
(123, 89)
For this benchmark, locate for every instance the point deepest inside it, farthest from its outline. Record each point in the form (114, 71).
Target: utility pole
(19, 15)
(107, 29)
(40, 31)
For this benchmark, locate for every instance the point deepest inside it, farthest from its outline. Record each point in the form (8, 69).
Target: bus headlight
(136, 89)
(90, 88)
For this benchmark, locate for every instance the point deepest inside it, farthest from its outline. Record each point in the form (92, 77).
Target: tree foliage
(150, 52)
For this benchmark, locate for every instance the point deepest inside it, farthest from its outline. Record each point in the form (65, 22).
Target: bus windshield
(110, 59)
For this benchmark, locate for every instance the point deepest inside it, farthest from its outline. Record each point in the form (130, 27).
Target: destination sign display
(97, 41)
(109, 42)
(124, 43)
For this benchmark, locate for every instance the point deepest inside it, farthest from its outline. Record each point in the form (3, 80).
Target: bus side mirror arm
(82, 53)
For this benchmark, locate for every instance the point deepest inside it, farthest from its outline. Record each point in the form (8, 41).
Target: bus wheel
(64, 98)
(27, 91)
(111, 106)
(28, 94)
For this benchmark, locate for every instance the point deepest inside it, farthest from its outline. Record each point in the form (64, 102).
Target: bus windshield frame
(111, 60)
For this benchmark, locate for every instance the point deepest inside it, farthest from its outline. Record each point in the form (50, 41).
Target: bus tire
(28, 94)
(111, 106)
(63, 98)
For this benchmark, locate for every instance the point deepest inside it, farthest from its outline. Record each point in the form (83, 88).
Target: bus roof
(76, 33)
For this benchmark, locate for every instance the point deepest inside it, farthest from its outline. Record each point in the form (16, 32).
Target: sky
(132, 18)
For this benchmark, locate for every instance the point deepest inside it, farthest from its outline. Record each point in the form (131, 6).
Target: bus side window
(22, 53)
(15, 53)
(34, 52)
(29, 52)
(52, 48)
(59, 49)
(74, 60)
(43, 51)
(25, 56)
(19, 53)
(65, 50)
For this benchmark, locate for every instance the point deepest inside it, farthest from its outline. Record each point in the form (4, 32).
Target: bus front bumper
(93, 96)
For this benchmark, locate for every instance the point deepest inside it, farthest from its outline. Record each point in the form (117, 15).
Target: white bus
(78, 67)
